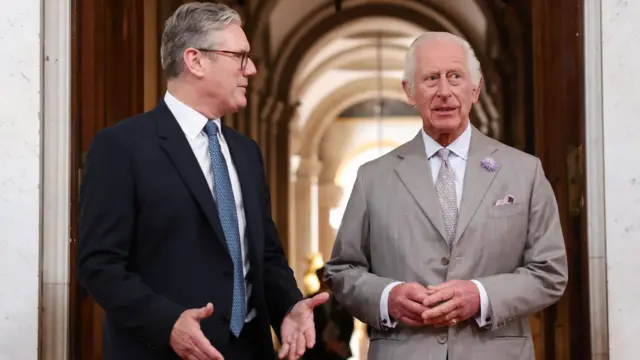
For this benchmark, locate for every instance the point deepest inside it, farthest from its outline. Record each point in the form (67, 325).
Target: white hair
(472, 63)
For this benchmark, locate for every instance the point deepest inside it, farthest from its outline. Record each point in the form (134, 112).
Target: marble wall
(621, 124)
(20, 153)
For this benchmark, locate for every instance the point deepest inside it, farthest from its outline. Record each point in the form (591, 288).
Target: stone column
(329, 198)
(304, 239)
(56, 186)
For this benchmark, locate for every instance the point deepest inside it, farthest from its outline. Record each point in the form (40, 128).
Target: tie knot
(211, 128)
(444, 154)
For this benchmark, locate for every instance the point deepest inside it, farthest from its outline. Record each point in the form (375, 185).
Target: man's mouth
(444, 109)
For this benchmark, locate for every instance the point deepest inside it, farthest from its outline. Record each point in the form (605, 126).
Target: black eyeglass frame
(244, 56)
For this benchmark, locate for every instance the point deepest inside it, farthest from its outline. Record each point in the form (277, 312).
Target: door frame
(56, 134)
(58, 147)
(594, 172)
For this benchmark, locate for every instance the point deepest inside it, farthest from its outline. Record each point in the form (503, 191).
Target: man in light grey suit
(449, 242)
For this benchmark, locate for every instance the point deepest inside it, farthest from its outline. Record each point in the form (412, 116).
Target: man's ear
(193, 61)
(409, 92)
(477, 89)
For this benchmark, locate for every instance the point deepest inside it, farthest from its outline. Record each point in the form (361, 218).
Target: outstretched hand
(298, 331)
(187, 339)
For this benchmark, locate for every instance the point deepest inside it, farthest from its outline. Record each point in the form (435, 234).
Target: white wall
(20, 104)
(621, 122)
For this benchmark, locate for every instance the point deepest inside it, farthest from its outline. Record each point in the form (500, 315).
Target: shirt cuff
(484, 318)
(385, 319)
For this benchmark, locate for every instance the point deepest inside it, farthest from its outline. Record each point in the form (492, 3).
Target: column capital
(309, 167)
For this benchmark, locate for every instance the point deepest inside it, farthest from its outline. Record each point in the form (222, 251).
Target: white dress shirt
(459, 152)
(192, 124)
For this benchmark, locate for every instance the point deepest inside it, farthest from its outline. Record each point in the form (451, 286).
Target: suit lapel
(477, 179)
(175, 144)
(415, 174)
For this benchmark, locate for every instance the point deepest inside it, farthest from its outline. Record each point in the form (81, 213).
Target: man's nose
(250, 69)
(444, 89)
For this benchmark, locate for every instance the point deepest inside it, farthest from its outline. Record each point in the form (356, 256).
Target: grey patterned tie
(446, 190)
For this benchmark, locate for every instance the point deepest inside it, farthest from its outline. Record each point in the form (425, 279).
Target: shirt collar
(459, 146)
(191, 122)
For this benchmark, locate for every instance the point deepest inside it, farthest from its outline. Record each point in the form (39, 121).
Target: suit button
(442, 338)
(444, 261)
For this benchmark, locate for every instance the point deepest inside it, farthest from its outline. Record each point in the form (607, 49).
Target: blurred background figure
(334, 328)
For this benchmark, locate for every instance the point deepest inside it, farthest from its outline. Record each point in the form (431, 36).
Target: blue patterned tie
(229, 219)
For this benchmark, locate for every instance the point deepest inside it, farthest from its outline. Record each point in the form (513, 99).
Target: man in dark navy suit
(176, 219)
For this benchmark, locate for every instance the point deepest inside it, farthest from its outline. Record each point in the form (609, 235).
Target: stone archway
(325, 24)
(290, 76)
(504, 53)
(310, 193)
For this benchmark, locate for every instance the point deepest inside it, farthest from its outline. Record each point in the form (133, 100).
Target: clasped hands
(297, 332)
(443, 305)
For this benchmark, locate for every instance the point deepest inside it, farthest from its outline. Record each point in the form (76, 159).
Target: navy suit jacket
(151, 244)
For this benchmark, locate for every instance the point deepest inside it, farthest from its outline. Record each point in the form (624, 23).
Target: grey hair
(473, 64)
(190, 26)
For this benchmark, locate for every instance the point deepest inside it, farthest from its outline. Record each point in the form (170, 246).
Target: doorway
(116, 73)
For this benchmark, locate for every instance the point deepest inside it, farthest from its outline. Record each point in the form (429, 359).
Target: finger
(438, 297)
(438, 311)
(441, 324)
(417, 295)
(293, 347)
(310, 337)
(411, 308)
(204, 312)
(287, 338)
(319, 299)
(441, 310)
(442, 286)
(216, 354)
(445, 320)
(196, 354)
(284, 350)
(300, 345)
(204, 346)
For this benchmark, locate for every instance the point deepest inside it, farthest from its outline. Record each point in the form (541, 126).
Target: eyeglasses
(244, 56)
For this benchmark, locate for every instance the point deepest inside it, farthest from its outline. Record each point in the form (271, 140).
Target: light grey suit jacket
(392, 230)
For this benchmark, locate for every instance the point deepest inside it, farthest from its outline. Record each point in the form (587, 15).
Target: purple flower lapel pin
(489, 164)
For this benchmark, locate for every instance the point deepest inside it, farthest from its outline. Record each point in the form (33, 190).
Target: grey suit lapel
(477, 179)
(415, 174)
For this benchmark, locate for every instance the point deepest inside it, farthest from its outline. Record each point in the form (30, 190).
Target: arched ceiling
(371, 48)
(359, 57)
(288, 14)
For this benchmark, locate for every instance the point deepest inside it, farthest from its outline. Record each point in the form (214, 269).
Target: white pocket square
(507, 200)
